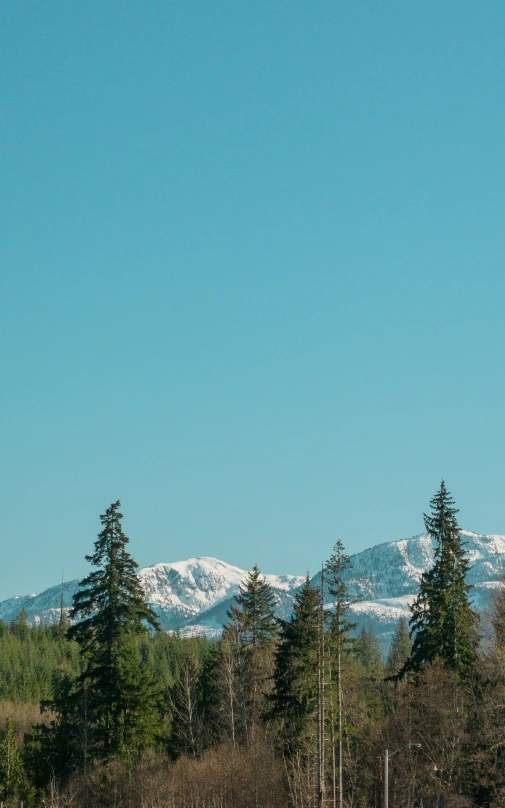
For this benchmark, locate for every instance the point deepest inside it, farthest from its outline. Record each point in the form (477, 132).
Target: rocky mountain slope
(194, 595)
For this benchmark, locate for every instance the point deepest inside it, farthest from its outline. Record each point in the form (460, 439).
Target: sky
(251, 277)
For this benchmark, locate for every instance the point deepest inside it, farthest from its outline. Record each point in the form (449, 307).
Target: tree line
(276, 713)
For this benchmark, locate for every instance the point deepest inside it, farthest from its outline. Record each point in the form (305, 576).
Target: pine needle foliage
(341, 627)
(443, 623)
(367, 652)
(340, 644)
(112, 613)
(294, 700)
(498, 615)
(401, 646)
(28, 661)
(246, 654)
(14, 785)
(255, 604)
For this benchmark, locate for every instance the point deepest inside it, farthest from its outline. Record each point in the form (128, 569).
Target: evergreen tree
(20, 626)
(294, 701)
(498, 615)
(247, 653)
(367, 651)
(111, 605)
(13, 780)
(401, 646)
(340, 626)
(59, 747)
(443, 623)
(256, 602)
(340, 644)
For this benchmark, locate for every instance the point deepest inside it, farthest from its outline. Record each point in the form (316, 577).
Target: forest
(105, 709)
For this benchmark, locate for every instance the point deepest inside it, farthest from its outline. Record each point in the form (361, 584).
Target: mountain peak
(194, 595)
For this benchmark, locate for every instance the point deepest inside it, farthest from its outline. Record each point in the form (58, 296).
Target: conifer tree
(367, 651)
(296, 697)
(19, 625)
(340, 643)
(498, 615)
(340, 625)
(113, 612)
(247, 650)
(256, 602)
(13, 780)
(443, 624)
(294, 700)
(401, 646)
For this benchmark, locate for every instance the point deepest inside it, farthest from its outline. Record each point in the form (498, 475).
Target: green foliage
(60, 747)
(28, 665)
(112, 688)
(121, 695)
(14, 785)
(367, 651)
(340, 626)
(255, 604)
(400, 650)
(294, 698)
(245, 659)
(442, 622)
(339, 644)
(66, 742)
(498, 615)
(19, 625)
(29, 658)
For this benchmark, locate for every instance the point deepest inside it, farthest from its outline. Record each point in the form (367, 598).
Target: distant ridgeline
(193, 596)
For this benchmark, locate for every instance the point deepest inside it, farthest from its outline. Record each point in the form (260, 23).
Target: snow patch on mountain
(194, 596)
(384, 580)
(179, 592)
(194, 586)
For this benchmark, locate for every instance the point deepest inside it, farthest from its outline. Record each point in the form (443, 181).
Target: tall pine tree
(111, 612)
(294, 701)
(256, 603)
(443, 623)
(498, 615)
(340, 644)
(401, 646)
(247, 650)
(14, 785)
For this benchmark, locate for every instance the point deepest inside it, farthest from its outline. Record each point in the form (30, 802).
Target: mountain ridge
(193, 595)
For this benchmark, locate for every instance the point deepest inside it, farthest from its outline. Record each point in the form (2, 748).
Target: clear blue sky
(252, 276)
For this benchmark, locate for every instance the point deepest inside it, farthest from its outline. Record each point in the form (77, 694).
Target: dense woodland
(105, 709)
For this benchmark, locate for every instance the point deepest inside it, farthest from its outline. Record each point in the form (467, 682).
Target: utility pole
(320, 716)
(386, 778)
(387, 756)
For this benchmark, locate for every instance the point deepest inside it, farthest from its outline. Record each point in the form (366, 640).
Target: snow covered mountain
(194, 595)
(385, 579)
(185, 594)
